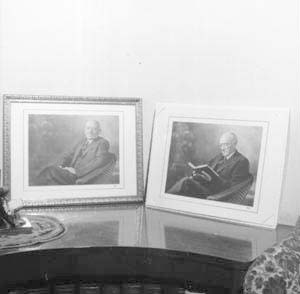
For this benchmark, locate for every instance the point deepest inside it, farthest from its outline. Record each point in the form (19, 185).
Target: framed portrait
(191, 234)
(219, 162)
(72, 150)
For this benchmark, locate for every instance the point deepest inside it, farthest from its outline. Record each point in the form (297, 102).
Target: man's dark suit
(232, 171)
(89, 161)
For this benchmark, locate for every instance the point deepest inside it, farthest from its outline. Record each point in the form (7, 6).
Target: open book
(206, 170)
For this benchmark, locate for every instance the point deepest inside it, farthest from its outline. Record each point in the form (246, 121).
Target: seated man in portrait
(85, 163)
(231, 167)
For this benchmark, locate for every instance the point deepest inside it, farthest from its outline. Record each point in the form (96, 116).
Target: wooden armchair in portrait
(236, 194)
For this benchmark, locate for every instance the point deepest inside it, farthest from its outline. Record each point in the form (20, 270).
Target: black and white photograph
(189, 110)
(62, 150)
(73, 150)
(214, 161)
(217, 162)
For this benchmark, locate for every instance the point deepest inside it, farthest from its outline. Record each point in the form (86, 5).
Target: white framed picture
(220, 162)
(72, 150)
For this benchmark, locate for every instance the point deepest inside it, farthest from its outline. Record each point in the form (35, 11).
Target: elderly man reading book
(225, 170)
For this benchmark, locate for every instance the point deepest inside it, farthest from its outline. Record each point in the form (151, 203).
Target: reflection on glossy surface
(136, 226)
(104, 233)
(206, 237)
(98, 226)
(128, 243)
(187, 240)
(92, 227)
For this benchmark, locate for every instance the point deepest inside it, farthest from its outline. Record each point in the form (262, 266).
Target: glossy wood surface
(139, 243)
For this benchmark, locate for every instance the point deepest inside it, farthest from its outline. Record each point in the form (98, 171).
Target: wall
(208, 52)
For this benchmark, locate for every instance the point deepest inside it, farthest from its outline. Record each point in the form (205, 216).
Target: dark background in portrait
(50, 136)
(198, 143)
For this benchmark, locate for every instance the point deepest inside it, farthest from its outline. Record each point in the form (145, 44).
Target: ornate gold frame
(8, 100)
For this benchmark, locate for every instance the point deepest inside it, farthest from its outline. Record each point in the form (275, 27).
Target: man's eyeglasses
(224, 145)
